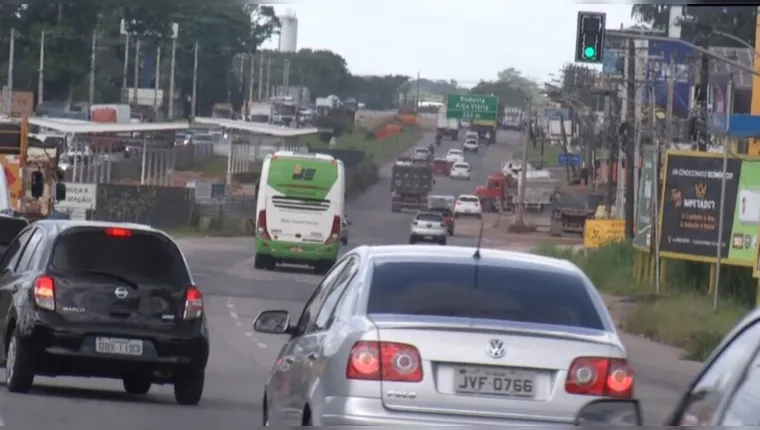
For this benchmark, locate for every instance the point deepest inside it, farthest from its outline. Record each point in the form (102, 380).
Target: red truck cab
(495, 192)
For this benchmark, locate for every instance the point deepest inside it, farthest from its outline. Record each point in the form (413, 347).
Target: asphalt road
(240, 359)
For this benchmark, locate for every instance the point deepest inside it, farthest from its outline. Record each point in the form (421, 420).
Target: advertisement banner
(691, 206)
(746, 215)
(642, 236)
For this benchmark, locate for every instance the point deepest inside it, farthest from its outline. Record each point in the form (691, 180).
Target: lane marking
(261, 345)
(249, 334)
(234, 315)
(239, 323)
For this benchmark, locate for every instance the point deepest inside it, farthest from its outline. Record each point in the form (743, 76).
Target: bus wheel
(323, 267)
(258, 262)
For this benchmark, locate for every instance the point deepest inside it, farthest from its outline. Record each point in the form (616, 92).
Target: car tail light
(118, 232)
(193, 304)
(44, 292)
(261, 225)
(334, 231)
(600, 376)
(384, 361)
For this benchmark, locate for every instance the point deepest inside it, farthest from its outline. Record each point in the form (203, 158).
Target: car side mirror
(37, 184)
(610, 412)
(272, 322)
(60, 191)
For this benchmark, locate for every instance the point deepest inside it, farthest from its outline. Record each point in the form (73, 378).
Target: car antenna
(480, 240)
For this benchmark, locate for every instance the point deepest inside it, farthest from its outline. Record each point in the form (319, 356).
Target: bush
(682, 315)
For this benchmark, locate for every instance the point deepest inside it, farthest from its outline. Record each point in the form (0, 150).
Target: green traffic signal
(589, 52)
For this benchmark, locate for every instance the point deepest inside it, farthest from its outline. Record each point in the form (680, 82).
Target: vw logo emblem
(495, 348)
(121, 292)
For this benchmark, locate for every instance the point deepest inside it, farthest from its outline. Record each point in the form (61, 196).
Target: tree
(736, 20)
(379, 92)
(222, 31)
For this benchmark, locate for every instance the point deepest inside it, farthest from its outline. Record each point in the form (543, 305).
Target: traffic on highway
(302, 326)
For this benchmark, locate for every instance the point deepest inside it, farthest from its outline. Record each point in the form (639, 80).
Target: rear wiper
(127, 281)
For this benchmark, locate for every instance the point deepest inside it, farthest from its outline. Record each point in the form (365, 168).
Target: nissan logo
(121, 293)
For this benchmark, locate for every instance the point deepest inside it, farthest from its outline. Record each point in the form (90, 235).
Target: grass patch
(681, 316)
(383, 151)
(548, 158)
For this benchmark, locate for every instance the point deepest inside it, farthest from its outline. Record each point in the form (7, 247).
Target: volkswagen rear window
(143, 257)
(468, 199)
(429, 217)
(496, 293)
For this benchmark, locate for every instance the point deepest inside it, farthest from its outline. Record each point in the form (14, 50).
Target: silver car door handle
(312, 356)
(290, 360)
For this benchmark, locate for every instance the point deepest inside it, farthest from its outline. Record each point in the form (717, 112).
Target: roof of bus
(307, 155)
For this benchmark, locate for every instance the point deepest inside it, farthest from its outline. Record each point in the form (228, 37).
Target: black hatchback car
(93, 299)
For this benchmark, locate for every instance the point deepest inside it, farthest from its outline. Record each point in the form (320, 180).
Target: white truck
(513, 118)
(447, 126)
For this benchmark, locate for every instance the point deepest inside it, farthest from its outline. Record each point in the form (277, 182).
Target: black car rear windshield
(429, 217)
(141, 257)
(497, 293)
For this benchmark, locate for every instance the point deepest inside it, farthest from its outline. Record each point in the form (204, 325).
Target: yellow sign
(754, 144)
(600, 232)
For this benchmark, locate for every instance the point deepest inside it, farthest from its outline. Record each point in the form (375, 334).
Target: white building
(288, 32)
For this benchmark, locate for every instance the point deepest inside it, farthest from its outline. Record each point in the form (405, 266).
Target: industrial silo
(288, 32)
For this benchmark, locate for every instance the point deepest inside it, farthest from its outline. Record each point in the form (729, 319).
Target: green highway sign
(472, 106)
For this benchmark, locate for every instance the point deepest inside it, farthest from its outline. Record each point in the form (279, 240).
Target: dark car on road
(94, 299)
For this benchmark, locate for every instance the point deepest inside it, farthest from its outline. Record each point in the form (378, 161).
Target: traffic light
(589, 43)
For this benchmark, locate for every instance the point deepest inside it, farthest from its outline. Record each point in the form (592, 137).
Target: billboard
(658, 72)
(691, 206)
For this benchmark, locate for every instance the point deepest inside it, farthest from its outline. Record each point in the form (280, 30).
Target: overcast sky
(447, 39)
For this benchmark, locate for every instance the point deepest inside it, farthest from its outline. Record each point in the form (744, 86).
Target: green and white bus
(300, 205)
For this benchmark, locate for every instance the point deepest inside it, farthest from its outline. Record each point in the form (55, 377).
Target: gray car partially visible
(426, 335)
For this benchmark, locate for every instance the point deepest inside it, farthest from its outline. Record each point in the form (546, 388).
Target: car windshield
(468, 199)
(483, 291)
(421, 151)
(455, 152)
(461, 166)
(140, 256)
(429, 217)
(446, 212)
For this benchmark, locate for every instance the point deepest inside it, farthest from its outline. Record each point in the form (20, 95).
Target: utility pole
(520, 209)
(92, 65)
(41, 71)
(417, 97)
(195, 80)
(285, 77)
(631, 163)
(125, 72)
(269, 78)
(136, 75)
(175, 34)
(701, 90)
(607, 135)
(9, 84)
(671, 95)
(157, 81)
(261, 77)
(252, 59)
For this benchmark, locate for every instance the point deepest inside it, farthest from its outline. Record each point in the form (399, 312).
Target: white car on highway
(460, 170)
(468, 205)
(454, 155)
(471, 145)
(471, 135)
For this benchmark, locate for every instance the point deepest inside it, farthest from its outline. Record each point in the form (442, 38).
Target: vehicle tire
(412, 240)
(479, 216)
(188, 386)
(19, 375)
(451, 232)
(258, 262)
(344, 241)
(264, 413)
(442, 241)
(395, 208)
(136, 384)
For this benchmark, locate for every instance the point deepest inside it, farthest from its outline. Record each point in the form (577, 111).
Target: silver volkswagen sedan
(429, 335)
